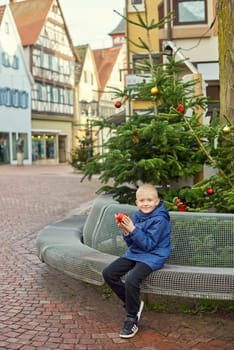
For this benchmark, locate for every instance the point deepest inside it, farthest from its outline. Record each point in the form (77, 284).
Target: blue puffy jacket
(150, 241)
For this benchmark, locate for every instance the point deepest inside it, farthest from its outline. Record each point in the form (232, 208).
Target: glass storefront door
(4, 148)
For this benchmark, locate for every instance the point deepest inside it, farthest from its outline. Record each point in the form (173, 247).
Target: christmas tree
(168, 144)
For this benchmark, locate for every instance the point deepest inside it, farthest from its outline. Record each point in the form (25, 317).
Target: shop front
(48, 147)
(43, 147)
(9, 147)
(51, 141)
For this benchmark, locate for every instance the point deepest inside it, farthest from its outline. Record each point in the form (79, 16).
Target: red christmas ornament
(120, 216)
(180, 108)
(117, 104)
(210, 191)
(178, 201)
(182, 207)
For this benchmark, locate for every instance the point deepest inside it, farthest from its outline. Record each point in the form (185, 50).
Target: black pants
(128, 292)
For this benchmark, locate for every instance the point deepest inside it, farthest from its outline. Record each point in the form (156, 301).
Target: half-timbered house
(53, 62)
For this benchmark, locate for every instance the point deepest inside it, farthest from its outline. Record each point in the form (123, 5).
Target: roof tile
(2, 10)
(105, 60)
(30, 16)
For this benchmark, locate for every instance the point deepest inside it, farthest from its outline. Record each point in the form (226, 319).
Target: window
(66, 67)
(38, 147)
(54, 63)
(50, 59)
(23, 99)
(52, 94)
(4, 148)
(85, 76)
(7, 97)
(190, 12)
(5, 59)
(55, 9)
(2, 96)
(50, 147)
(15, 62)
(10, 61)
(136, 2)
(70, 67)
(7, 31)
(14, 98)
(41, 59)
(39, 92)
(42, 92)
(69, 97)
(23, 137)
(213, 93)
(136, 5)
(60, 95)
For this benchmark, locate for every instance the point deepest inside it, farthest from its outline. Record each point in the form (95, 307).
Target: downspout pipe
(169, 31)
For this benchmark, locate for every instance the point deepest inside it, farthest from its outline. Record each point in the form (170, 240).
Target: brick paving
(42, 309)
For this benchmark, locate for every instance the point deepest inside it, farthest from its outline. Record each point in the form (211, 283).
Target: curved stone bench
(201, 264)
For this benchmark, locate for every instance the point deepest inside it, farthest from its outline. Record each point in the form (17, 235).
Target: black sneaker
(130, 328)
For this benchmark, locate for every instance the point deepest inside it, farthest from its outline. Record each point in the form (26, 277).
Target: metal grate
(108, 236)
(193, 282)
(95, 216)
(80, 262)
(198, 239)
(202, 239)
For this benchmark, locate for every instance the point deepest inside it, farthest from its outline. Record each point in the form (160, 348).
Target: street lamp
(84, 107)
(89, 108)
(94, 108)
(168, 51)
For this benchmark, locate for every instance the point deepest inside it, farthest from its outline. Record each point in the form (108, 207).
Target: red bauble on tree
(178, 201)
(182, 207)
(180, 108)
(118, 104)
(210, 191)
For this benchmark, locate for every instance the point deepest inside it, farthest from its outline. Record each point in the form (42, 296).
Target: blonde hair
(147, 187)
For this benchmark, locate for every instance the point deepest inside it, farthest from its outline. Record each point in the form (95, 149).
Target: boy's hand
(125, 224)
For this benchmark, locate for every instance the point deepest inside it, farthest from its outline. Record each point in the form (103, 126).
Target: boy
(148, 237)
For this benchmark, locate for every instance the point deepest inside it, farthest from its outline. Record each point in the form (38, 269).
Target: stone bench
(201, 264)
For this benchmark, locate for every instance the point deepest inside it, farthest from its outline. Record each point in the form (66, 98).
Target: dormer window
(55, 9)
(7, 30)
(189, 12)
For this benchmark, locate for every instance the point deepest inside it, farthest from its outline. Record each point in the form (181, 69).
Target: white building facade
(15, 94)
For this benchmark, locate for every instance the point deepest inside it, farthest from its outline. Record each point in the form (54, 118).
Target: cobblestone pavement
(42, 309)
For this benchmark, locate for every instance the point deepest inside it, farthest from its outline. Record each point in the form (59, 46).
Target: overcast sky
(90, 21)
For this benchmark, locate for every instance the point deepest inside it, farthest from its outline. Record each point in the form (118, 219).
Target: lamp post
(90, 109)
